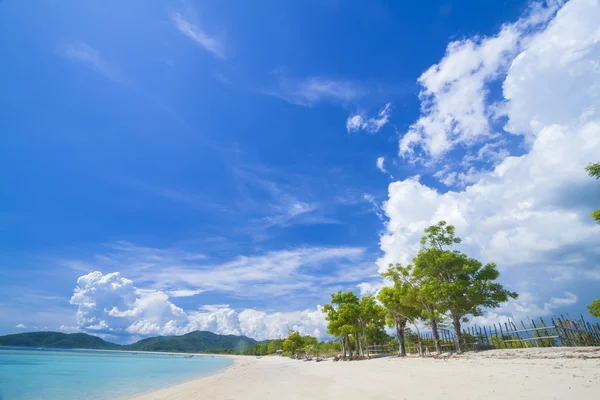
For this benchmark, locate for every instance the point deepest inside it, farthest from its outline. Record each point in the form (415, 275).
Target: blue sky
(227, 165)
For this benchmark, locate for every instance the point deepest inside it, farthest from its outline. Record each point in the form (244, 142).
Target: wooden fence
(510, 334)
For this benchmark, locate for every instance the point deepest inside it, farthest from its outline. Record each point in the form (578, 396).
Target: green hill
(193, 342)
(57, 340)
(197, 341)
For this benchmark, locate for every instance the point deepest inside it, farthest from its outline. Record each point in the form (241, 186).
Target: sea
(47, 374)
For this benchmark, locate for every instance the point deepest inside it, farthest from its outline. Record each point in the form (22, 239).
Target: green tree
(594, 308)
(371, 316)
(342, 317)
(399, 306)
(457, 283)
(422, 296)
(275, 345)
(594, 171)
(293, 343)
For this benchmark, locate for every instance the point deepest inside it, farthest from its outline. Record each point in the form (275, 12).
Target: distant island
(193, 342)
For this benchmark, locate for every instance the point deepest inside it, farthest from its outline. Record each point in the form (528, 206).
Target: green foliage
(342, 314)
(293, 343)
(342, 317)
(439, 236)
(502, 342)
(594, 308)
(355, 322)
(274, 345)
(594, 171)
(453, 281)
(298, 344)
(400, 300)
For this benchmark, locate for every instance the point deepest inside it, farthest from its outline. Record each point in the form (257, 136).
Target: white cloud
(568, 300)
(380, 164)
(111, 304)
(69, 329)
(525, 307)
(530, 214)
(294, 272)
(185, 292)
(310, 91)
(194, 32)
(372, 287)
(285, 204)
(566, 57)
(357, 122)
(21, 326)
(454, 95)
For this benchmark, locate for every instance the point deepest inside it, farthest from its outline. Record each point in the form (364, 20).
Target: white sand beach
(551, 373)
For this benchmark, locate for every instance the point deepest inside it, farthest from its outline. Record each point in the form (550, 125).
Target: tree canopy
(454, 281)
(441, 283)
(594, 308)
(594, 171)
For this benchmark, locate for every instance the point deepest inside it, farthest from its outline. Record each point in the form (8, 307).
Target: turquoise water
(94, 375)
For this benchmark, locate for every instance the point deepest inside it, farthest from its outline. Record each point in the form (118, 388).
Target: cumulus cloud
(454, 94)
(358, 122)
(111, 305)
(21, 326)
(531, 212)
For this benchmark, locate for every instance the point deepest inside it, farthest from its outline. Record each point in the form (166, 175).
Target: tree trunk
(366, 342)
(457, 333)
(400, 326)
(357, 344)
(349, 346)
(436, 336)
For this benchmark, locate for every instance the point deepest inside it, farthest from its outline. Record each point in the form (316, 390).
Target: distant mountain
(193, 342)
(57, 340)
(197, 341)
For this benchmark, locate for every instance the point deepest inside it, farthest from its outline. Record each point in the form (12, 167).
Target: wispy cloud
(195, 32)
(185, 292)
(181, 273)
(84, 53)
(310, 91)
(276, 204)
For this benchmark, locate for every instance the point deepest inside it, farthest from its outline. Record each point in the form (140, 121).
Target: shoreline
(187, 381)
(543, 373)
(127, 351)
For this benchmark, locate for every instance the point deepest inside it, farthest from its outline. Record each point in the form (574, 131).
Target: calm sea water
(94, 375)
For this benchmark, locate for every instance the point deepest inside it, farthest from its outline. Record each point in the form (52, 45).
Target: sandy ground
(555, 373)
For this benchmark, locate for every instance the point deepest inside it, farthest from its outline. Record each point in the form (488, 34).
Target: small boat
(190, 356)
